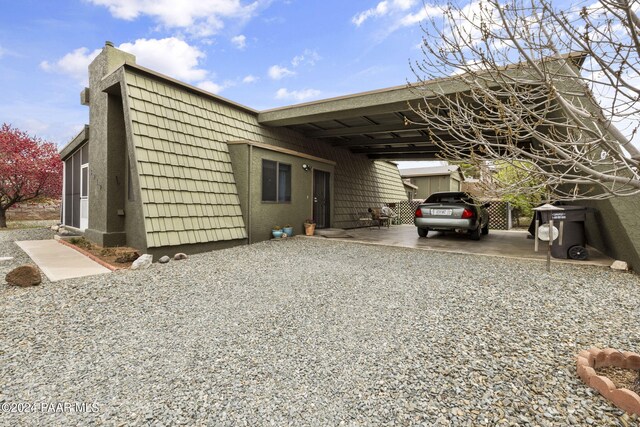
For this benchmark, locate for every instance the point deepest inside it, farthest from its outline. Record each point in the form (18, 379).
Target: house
(410, 189)
(433, 179)
(167, 167)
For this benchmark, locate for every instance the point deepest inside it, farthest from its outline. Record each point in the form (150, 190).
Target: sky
(259, 53)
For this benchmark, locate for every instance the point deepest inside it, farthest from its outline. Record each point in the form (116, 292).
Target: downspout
(249, 205)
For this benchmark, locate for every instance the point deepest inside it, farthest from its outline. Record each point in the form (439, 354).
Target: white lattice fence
(500, 216)
(405, 210)
(499, 213)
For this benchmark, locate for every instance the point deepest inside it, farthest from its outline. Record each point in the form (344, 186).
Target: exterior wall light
(306, 167)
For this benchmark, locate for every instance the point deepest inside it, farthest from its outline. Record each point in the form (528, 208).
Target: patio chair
(362, 218)
(379, 218)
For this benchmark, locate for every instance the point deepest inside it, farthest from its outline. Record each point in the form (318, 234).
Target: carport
(381, 125)
(378, 124)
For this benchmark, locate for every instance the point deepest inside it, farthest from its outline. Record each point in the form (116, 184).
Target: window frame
(277, 182)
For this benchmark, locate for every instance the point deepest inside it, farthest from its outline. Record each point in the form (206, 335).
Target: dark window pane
(85, 154)
(85, 182)
(269, 184)
(76, 190)
(68, 192)
(284, 183)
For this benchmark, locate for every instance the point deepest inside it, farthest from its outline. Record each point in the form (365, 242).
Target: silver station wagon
(449, 211)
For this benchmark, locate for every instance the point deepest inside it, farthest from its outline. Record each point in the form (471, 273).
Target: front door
(321, 208)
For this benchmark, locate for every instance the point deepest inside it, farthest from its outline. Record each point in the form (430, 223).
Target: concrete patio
(503, 243)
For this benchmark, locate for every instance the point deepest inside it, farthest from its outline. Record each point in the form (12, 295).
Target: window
(84, 181)
(276, 182)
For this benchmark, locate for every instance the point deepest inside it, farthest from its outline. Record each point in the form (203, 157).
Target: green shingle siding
(185, 175)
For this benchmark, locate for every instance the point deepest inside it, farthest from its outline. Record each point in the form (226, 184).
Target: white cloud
(250, 79)
(277, 72)
(298, 95)
(74, 64)
(170, 56)
(210, 86)
(419, 16)
(199, 17)
(383, 8)
(239, 41)
(396, 14)
(307, 57)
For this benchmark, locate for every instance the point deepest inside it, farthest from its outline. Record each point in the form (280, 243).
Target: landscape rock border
(88, 254)
(589, 360)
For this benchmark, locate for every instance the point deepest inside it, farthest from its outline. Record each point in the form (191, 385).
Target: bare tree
(556, 94)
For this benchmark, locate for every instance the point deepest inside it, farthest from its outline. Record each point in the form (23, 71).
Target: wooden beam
(405, 156)
(396, 150)
(282, 150)
(357, 142)
(370, 129)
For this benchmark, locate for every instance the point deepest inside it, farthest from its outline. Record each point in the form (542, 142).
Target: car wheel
(475, 234)
(485, 229)
(422, 232)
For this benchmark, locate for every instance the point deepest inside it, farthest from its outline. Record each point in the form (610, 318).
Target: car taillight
(467, 213)
(419, 213)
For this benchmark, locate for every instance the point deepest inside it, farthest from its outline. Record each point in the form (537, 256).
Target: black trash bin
(574, 242)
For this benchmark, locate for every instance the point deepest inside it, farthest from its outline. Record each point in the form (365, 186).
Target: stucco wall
(260, 217)
(614, 228)
(107, 145)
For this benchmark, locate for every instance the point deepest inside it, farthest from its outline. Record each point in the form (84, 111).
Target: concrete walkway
(509, 244)
(59, 262)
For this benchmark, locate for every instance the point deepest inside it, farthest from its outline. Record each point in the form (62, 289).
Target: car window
(448, 198)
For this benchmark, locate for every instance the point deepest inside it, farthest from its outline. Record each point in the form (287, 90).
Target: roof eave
(188, 87)
(75, 143)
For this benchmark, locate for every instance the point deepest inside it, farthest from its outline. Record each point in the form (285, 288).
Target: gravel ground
(315, 332)
(38, 223)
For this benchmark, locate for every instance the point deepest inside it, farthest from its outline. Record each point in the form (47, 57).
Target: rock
(55, 228)
(25, 275)
(180, 256)
(163, 260)
(127, 257)
(6, 258)
(143, 262)
(619, 265)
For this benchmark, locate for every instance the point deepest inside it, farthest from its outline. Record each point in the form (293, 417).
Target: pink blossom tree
(30, 168)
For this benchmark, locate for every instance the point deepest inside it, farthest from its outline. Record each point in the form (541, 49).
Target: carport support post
(549, 247)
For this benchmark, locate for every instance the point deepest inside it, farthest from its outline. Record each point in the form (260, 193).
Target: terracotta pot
(309, 229)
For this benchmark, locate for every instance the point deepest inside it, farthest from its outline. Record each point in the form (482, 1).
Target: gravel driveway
(315, 332)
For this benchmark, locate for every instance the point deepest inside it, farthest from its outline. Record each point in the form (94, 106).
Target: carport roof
(375, 123)
(378, 123)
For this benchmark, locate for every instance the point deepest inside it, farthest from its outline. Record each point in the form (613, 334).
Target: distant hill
(45, 209)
